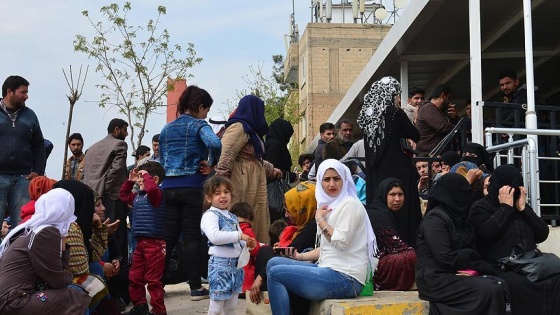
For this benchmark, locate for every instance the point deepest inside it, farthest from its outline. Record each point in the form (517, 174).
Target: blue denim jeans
(306, 280)
(14, 193)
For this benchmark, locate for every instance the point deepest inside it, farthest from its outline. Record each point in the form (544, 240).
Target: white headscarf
(348, 190)
(217, 123)
(55, 208)
(348, 186)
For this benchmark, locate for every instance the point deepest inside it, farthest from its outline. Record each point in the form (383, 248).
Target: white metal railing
(529, 157)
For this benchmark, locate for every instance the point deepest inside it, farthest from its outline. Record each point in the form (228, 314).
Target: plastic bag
(368, 288)
(275, 197)
(176, 271)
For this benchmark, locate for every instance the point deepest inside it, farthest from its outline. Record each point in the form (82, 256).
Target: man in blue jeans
(22, 148)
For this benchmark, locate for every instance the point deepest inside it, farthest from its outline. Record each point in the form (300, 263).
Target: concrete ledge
(382, 302)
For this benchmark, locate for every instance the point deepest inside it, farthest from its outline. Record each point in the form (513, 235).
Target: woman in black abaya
(503, 220)
(445, 256)
(384, 125)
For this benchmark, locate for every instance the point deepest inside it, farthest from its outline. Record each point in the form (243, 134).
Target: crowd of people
(99, 238)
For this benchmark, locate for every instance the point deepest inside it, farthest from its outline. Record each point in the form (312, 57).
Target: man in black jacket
(22, 148)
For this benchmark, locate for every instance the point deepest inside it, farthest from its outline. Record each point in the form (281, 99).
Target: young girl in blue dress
(226, 244)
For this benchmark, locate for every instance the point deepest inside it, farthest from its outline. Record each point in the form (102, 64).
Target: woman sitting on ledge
(447, 263)
(347, 246)
(397, 259)
(503, 221)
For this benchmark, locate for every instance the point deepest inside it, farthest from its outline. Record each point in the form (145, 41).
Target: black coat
(439, 257)
(498, 228)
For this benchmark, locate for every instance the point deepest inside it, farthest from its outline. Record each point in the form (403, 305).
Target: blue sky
(230, 36)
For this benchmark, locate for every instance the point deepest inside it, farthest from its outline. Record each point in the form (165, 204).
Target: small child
(148, 217)
(225, 241)
(245, 215)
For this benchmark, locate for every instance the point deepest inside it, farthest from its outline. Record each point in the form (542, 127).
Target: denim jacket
(186, 141)
(225, 224)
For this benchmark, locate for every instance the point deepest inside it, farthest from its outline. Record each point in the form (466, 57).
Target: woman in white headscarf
(346, 252)
(34, 260)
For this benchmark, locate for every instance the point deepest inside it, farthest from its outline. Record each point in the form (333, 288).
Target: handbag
(534, 264)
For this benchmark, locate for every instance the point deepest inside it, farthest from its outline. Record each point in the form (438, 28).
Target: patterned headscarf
(380, 97)
(301, 204)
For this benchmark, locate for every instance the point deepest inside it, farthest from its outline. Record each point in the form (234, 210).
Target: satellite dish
(381, 14)
(399, 4)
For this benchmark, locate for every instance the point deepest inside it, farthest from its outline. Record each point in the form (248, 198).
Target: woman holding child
(346, 252)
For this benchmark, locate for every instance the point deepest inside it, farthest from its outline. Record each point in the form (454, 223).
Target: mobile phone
(283, 250)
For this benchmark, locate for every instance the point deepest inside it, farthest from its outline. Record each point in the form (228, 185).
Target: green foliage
(135, 62)
(273, 90)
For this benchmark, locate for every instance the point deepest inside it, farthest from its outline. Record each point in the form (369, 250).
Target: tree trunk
(68, 125)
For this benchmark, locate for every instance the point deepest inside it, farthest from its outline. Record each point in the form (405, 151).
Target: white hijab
(55, 208)
(348, 190)
(348, 186)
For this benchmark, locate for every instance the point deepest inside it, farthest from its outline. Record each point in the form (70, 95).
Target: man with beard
(339, 146)
(514, 92)
(326, 131)
(105, 172)
(435, 119)
(22, 148)
(74, 168)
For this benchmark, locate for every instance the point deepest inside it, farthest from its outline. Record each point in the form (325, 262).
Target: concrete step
(382, 302)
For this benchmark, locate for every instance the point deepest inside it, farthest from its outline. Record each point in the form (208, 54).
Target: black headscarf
(276, 146)
(250, 113)
(506, 174)
(84, 207)
(450, 158)
(380, 215)
(452, 193)
(482, 156)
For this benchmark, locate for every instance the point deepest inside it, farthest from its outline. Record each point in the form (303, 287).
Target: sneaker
(140, 309)
(200, 294)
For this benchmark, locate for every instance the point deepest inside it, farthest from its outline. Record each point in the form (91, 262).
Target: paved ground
(178, 302)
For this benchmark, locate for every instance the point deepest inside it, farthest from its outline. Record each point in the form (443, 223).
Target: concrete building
(325, 62)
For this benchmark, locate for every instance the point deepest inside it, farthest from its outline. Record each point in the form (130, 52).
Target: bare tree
(136, 69)
(73, 97)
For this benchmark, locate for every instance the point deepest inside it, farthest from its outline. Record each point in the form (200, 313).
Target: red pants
(148, 264)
